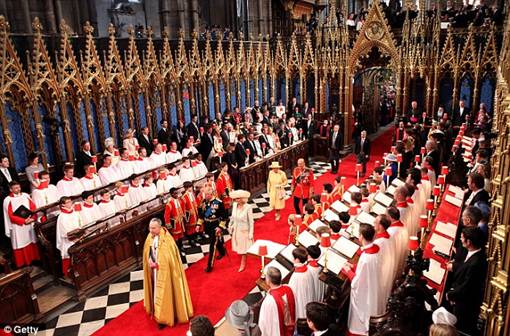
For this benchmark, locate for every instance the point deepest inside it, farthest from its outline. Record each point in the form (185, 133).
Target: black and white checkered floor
(87, 317)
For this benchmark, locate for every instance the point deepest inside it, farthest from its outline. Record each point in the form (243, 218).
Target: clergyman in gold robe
(166, 293)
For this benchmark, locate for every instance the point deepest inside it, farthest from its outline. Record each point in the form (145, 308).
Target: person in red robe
(174, 216)
(338, 189)
(224, 186)
(302, 185)
(190, 212)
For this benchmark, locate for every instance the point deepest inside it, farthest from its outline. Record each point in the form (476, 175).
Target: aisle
(212, 293)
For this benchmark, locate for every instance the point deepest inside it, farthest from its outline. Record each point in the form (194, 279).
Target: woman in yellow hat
(276, 183)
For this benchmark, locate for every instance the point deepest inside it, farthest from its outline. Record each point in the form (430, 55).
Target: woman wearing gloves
(241, 224)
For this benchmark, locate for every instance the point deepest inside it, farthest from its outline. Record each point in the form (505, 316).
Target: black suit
(363, 152)
(308, 130)
(4, 184)
(466, 291)
(240, 154)
(192, 130)
(253, 151)
(206, 146)
(225, 139)
(82, 159)
(481, 196)
(458, 119)
(165, 137)
(334, 150)
(145, 143)
(435, 155)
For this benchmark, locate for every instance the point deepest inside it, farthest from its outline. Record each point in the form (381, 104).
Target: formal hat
(240, 194)
(239, 315)
(443, 316)
(108, 142)
(391, 157)
(275, 164)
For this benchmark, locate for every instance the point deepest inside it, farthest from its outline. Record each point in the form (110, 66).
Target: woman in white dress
(241, 225)
(131, 143)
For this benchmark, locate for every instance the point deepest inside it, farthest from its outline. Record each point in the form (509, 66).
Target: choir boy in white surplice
(365, 284)
(386, 260)
(173, 154)
(199, 167)
(142, 163)
(69, 185)
(314, 253)
(278, 310)
(45, 193)
(106, 204)
(68, 220)
(121, 199)
(91, 180)
(126, 165)
(427, 186)
(135, 192)
(158, 157)
(108, 172)
(399, 234)
(90, 211)
(19, 225)
(149, 188)
(186, 173)
(301, 282)
(163, 185)
(189, 148)
(406, 210)
(174, 178)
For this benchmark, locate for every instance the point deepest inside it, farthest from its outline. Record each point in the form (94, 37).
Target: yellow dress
(276, 183)
(171, 303)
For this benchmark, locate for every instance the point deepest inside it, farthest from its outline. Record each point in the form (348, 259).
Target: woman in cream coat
(241, 225)
(276, 183)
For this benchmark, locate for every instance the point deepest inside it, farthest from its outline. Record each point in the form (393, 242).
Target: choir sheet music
(346, 247)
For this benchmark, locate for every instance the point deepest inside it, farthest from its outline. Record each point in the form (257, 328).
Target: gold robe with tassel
(172, 302)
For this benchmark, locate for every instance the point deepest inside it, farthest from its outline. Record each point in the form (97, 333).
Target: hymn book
(346, 247)
(365, 217)
(448, 229)
(453, 200)
(335, 261)
(275, 263)
(383, 199)
(330, 216)
(316, 223)
(378, 209)
(287, 252)
(272, 248)
(307, 239)
(397, 182)
(441, 244)
(435, 272)
(347, 197)
(339, 206)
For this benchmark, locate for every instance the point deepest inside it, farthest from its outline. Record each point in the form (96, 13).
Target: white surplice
(46, 196)
(67, 221)
(319, 286)
(174, 180)
(187, 174)
(200, 170)
(91, 183)
(302, 284)
(125, 169)
(136, 194)
(108, 209)
(108, 174)
(90, 213)
(149, 192)
(386, 268)
(399, 234)
(122, 202)
(173, 156)
(21, 235)
(69, 187)
(163, 186)
(158, 160)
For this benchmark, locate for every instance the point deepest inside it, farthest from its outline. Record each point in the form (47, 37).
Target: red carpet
(213, 293)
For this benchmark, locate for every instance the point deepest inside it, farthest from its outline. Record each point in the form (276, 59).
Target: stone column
(194, 15)
(25, 14)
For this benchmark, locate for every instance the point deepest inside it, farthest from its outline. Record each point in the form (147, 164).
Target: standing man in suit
(250, 144)
(362, 150)
(291, 109)
(193, 128)
(7, 175)
(206, 146)
(335, 144)
(318, 319)
(224, 135)
(465, 295)
(431, 147)
(165, 134)
(476, 192)
(240, 151)
(144, 140)
(459, 116)
(83, 157)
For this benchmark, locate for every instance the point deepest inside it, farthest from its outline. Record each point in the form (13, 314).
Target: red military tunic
(191, 210)
(224, 186)
(337, 193)
(174, 215)
(303, 187)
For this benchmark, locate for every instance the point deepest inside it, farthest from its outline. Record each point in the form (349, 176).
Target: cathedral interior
(90, 71)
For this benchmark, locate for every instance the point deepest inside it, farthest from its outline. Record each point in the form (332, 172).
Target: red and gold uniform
(174, 217)
(302, 182)
(190, 202)
(318, 211)
(224, 186)
(337, 193)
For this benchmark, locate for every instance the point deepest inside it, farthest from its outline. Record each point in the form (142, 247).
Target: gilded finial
(64, 28)
(149, 32)
(37, 26)
(111, 29)
(3, 23)
(88, 29)
(131, 31)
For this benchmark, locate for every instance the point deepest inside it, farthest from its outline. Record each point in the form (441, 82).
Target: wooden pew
(18, 302)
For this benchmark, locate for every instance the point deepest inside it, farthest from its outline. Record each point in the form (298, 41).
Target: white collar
(319, 333)
(470, 254)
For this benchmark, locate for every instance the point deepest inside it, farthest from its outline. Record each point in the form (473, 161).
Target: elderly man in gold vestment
(166, 292)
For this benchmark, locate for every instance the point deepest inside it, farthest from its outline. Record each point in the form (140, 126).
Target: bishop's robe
(278, 312)
(166, 293)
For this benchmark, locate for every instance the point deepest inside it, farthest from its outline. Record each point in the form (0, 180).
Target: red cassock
(191, 210)
(174, 215)
(224, 186)
(302, 188)
(318, 211)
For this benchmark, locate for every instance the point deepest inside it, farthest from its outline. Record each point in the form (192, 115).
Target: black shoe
(208, 269)
(161, 326)
(220, 256)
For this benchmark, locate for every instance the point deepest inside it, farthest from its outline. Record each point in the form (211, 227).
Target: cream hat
(443, 316)
(275, 164)
(240, 194)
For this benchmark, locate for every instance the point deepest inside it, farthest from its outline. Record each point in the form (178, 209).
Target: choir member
(190, 204)
(365, 203)
(69, 185)
(338, 189)
(399, 234)
(406, 210)
(301, 282)
(199, 167)
(174, 178)
(186, 173)
(106, 204)
(328, 189)
(68, 221)
(308, 217)
(314, 253)
(386, 261)
(164, 184)
(224, 186)
(143, 163)
(189, 148)
(90, 211)
(45, 193)
(315, 200)
(135, 192)
(111, 151)
(174, 216)
(158, 156)
(356, 199)
(121, 199)
(90, 180)
(345, 219)
(126, 165)
(19, 220)
(365, 284)
(108, 172)
(278, 310)
(335, 227)
(173, 154)
(149, 188)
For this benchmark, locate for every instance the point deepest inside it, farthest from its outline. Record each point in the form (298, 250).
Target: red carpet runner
(213, 293)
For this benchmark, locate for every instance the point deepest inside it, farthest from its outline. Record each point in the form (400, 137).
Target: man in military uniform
(212, 216)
